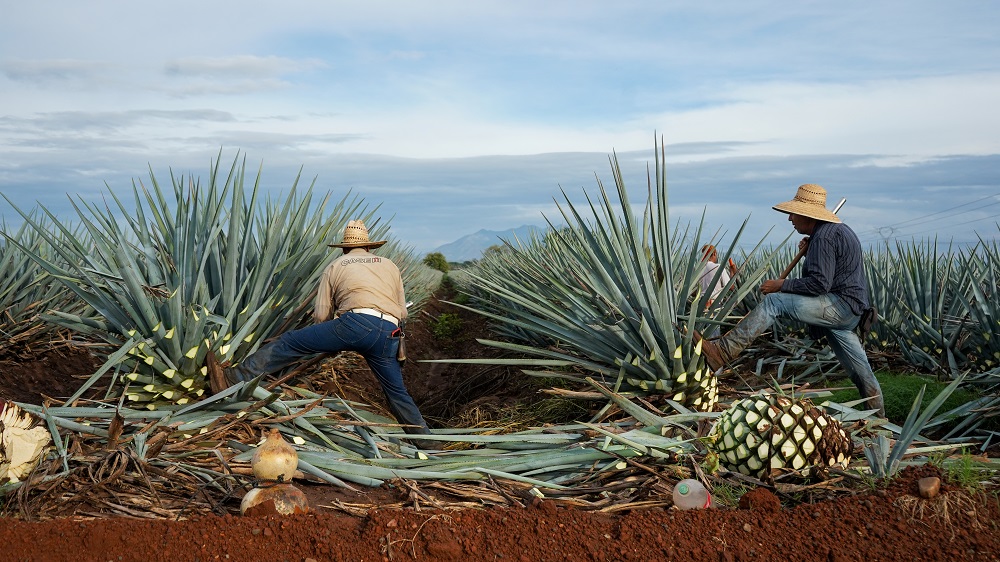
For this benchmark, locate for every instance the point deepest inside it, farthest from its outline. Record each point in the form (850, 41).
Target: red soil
(893, 525)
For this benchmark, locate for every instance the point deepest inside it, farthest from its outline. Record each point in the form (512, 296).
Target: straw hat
(356, 236)
(809, 201)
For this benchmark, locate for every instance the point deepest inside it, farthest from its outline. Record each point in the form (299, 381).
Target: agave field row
(172, 277)
(171, 274)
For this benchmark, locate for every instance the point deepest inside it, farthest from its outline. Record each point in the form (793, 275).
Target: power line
(907, 235)
(888, 232)
(925, 223)
(899, 224)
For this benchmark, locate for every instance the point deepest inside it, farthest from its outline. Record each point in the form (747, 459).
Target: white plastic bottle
(691, 494)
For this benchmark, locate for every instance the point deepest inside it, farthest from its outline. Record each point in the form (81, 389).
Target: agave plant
(884, 458)
(206, 269)
(27, 291)
(976, 420)
(938, 309)
(929, 328)
(883, 293)
(611, 291)
(980, 338)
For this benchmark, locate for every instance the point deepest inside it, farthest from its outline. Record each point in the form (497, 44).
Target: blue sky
(460, 116)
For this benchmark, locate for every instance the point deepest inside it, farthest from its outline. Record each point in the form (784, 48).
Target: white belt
(379, 313)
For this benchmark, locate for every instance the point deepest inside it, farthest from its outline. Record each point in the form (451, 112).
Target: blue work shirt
(833, 264)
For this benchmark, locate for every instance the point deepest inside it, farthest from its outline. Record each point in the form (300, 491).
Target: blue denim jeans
(365, 334)
(831, 316)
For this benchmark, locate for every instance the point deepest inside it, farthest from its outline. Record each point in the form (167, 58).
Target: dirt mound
(53, 374)
(760, 499)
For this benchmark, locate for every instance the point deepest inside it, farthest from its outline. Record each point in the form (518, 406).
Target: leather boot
(713, 354)
(233, 375)
(427, 444)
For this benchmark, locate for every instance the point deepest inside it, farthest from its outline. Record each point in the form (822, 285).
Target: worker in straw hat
(360, 306)
(830, 297)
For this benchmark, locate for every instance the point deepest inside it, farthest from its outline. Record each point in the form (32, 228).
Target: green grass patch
(899, 390)
(727, 494)
(968, 471)
(446, 326)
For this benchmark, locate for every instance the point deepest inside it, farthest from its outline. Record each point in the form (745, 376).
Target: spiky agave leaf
(980, 340)
(772, 432)
(884, 460)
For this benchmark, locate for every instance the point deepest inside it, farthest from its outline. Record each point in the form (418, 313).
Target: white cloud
(922, 117)
(237, 75)
(244, 66)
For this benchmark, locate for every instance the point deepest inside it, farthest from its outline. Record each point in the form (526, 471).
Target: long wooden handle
(795, 261)
(802, 252)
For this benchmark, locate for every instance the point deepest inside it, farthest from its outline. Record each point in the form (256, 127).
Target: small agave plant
(773, 432)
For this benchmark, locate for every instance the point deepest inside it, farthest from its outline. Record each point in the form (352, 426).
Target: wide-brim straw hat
(809, 201)
(356, 236)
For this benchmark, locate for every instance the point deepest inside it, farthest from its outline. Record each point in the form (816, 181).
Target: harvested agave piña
(765, 433)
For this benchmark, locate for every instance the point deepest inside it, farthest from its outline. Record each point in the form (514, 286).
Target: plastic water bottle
(691, 494)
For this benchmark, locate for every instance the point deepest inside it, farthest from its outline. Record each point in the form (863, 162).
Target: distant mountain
(471, 247)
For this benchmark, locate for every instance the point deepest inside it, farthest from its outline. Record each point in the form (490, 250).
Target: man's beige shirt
(360, 279)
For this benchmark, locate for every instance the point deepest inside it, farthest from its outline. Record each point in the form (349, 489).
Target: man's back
(360, 279)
